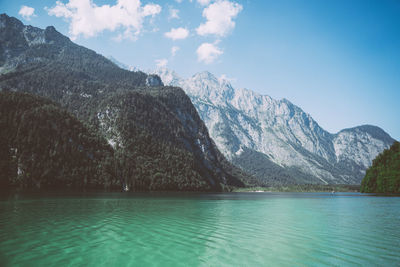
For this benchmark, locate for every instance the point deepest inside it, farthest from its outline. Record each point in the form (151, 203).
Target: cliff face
(157, 139)
(276, 140)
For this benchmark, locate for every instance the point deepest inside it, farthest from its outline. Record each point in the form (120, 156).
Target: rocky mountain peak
(205, 75)
(279, 135)
(53, 36)
(6, 21)
(372, 130)
(15, 33)
(153, 80)
(168, 76)
(206, 81)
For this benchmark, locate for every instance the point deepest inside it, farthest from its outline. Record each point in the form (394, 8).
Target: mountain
(274, 139)
(384, 174)
(157, 138)
(122, 65)
(69, 156)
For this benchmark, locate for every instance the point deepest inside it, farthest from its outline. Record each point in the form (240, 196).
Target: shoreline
(250, 189)
(301, 189)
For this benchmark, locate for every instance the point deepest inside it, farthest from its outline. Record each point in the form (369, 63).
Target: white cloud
(203, 2)
(178, 1)
(161, 63)
(27, 12)
(177, 33)
(219, 17)
(223, 78)
(88, 19)
(173, 13)
(208, 52)
(174, 50)
(149, 9)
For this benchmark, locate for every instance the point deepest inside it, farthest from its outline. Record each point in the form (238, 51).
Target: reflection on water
(240, 229)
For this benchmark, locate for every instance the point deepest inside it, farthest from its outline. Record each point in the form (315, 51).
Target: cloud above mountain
(208, 53)
(219, 17)
(127, 19)
(27, 12)
(203, 2)
(177, 33)
(87, 19)
(219, 23)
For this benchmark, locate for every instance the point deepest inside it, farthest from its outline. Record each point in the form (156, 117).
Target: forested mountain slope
(158, 140)
(384, 174)
(44, 146)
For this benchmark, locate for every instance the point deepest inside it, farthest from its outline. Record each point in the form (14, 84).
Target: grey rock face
(241, 120)
(153, 80)
(16, 39)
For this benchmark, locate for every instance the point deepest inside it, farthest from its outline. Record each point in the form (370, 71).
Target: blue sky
(339, 60)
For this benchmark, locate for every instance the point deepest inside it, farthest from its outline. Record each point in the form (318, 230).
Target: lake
(197, 229)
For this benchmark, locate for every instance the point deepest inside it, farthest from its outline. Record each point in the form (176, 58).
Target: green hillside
(384, 174)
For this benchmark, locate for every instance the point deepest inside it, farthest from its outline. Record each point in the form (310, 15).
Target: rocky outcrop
(153, 80)
(242, 120)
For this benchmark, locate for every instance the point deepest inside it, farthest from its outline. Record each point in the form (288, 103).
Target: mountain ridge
(282, 131)
(158, 140)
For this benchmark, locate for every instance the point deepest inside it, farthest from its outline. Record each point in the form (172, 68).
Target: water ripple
(200, 230)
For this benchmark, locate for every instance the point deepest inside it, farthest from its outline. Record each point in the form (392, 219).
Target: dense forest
(127, 129)
(384, 174)
(169, 132)
(44, 146)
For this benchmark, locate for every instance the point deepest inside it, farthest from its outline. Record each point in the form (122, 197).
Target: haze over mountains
(274, 139)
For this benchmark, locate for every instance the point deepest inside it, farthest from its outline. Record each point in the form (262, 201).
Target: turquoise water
(228, 229)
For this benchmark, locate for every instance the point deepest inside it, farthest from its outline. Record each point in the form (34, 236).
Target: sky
(339, 60)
